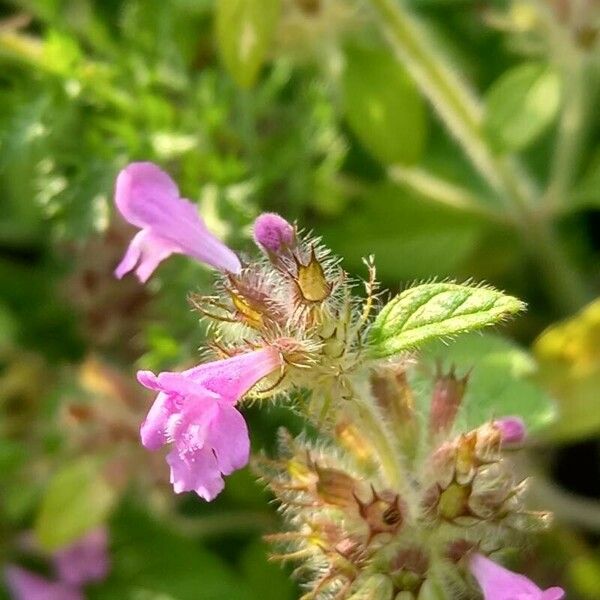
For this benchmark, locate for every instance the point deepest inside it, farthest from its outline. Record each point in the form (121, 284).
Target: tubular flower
(25, 585)
(195, 411)
(149, 199)
(498, 583)
(84, 561)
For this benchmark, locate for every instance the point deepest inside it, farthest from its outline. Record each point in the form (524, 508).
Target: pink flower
(273, 232)
(498, 583)
(149, 199)
(84, 561)
(513, 430)
(195, 411)
(25, 585)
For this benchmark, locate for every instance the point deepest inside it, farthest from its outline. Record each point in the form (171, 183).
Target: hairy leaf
(434, 310)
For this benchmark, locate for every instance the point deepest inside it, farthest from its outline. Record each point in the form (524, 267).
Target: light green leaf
(437, 310)
(77, 499)
(383, 106)
(245, 29)
(501, 380)
(521, 105)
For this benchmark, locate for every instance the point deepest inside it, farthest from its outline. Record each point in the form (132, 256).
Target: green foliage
(408, 237)
(151, 561)
(521, 104)
(501, 380)
(245, 30)
(437, 310)
(383, 106)
(77, 499)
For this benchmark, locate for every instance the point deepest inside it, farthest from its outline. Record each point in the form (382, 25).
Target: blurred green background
(450, 138)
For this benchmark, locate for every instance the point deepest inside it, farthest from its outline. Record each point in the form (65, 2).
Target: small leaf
(77, 499)
(245, 29)
(383, 106)
(521, 105)
(569, 357)
(501, 381)
(435, 310)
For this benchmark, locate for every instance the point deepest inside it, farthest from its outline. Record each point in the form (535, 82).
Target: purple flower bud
(273, 232)
(149, 199)
(498, 583)
(512, 429)
(195, 411)
(25, 585)
(84, 561)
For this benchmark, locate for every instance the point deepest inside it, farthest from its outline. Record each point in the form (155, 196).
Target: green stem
(445, 193)
(462, 113)
(571, 136)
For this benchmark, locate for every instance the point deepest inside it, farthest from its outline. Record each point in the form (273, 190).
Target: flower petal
(200, 475)
(228, 437)
(498, 583)
(25, 585)
(148, 198)
(84, 561)
(153, 430)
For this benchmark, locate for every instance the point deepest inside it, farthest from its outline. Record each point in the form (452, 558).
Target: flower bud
(448, 393)
(512, 429)
(273, 233)
(374, 587)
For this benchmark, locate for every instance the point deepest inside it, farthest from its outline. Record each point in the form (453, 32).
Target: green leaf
(409, 236)
(77, 499)
(501, 380)
(521, 105)
(245, 29)
(435, 310)
(152, 562)
(383, 106)
(267, 580)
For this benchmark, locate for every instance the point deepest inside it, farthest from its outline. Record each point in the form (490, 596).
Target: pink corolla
(195, 412)
(149, 199)
(498, 583)
(84, 561)
(25, 585)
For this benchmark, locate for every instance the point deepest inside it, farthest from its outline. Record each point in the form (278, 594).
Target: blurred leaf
(569, 357)
(587, 192)
(8, 327)
(435, 310)
(383, 106)
(245, 29)
(500, 380)
(521, 104)
(409, 237)
(267, 580)
(151, 562)
(77, 499)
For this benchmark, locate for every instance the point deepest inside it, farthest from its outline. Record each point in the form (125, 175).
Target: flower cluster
(386, 504)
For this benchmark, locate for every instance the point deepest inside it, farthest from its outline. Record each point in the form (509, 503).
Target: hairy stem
(461, 111)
